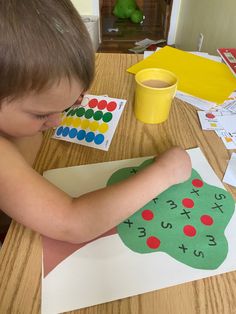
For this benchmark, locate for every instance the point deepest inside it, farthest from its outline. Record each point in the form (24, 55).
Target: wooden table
(20, 259)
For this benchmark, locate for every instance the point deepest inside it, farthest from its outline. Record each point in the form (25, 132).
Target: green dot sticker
(71, 112)
(98, 115)
(107, 117)
(80, 112)
(89, 113)
(187, 222)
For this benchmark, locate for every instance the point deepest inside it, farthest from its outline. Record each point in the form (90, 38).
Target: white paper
(228, 122)
(206, 55)
(195, 101)
(230, 105)
(147, 53)
(105, 270)
(230, 174)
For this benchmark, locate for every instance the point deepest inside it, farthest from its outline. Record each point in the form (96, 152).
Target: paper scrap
(230, 174)
(206, 55)
(149, 42)
(209, 120)
(228, 122)
(230, 105)
(227, 138)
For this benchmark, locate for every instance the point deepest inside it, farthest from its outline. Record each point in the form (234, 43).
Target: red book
(229, 57)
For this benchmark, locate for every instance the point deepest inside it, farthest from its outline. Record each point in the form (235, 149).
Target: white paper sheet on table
(230, 174)
(105, 270)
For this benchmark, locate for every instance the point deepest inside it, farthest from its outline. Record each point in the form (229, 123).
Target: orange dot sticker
(228, 139)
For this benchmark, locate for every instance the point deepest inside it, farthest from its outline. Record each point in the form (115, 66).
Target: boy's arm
(29, 146)
(36, 203)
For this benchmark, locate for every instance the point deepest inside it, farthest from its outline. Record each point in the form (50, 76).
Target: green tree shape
(187, 222)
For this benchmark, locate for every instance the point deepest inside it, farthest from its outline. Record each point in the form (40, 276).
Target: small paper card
(230, 105)
(227, 138)
(209, 120)
(230, 174)
(92, 123)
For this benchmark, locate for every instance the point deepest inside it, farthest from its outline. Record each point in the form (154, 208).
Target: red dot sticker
(188, 203)
(153, 242)
(197, 183)
(93, 103)
(147, 214)
(102, 104)
(189, 231)
(111, 106)
(210, 115)
(207, 220)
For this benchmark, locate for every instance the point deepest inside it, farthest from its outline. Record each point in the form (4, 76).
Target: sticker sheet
(184, 234)
(92, 123)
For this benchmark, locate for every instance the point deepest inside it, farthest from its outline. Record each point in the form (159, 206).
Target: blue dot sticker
(59, 131)
(90, 137)
(99, 139)
(73, 133)
(65, 132)
(81, 135)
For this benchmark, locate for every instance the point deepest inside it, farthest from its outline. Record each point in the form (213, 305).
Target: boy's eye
(42, 117)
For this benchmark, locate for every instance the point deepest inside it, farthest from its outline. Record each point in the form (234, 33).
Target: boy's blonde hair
(41, 42)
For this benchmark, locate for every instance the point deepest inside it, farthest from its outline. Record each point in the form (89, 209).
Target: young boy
(46, 63)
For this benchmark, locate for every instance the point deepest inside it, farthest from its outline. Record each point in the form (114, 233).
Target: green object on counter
(128, 9)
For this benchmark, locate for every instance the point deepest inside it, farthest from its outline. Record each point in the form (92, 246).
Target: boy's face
(38, 112)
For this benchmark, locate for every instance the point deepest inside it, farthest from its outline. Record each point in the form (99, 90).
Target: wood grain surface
(20, 256)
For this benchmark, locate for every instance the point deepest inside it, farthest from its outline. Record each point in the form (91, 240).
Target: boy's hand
(176, 163)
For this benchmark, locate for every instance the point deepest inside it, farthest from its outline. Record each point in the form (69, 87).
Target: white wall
(174, 21)
(215, 19)
(90, 7)
(87, 7)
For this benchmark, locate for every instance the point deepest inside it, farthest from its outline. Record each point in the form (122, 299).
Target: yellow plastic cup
(152, 104)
